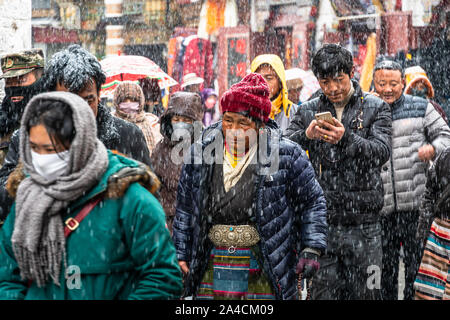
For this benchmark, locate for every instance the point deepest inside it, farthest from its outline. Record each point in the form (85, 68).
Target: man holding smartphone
(347, 157)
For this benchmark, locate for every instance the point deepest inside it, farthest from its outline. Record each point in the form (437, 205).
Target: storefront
(281, 27)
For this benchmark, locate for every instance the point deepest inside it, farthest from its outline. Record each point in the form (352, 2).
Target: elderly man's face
(294, 95)
(389, 84)
(239, 131)
(89, 93)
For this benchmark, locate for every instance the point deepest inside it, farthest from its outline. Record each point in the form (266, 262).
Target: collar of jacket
(398, 102)
(121, 172)
(106, 128)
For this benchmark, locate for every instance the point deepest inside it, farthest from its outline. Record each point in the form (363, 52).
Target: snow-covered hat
(190, 79)
(415, 74)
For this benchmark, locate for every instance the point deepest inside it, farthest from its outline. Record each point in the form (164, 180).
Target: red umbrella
(132, 68)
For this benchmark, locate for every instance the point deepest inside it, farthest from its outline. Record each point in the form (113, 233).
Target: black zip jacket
(349, 172)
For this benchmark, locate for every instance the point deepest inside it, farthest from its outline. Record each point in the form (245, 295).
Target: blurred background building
(221, 37)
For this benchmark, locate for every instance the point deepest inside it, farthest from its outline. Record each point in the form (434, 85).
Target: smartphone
(325, 116)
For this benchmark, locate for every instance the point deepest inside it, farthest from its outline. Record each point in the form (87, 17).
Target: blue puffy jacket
(290, 215)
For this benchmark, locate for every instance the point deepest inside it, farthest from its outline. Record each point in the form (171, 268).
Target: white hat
(294, 73)
(190, 79)
(294, 78)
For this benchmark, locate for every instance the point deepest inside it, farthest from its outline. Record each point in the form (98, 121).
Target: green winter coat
(121, 250)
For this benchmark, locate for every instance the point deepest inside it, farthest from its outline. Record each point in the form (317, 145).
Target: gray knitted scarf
(38, 240)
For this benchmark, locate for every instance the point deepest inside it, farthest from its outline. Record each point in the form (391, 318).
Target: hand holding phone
(325, 116)
(331, 133)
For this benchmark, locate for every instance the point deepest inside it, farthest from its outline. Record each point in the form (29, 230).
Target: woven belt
(231, 236)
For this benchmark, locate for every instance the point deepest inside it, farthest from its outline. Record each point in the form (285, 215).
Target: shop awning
(54, 35)
(345, 8)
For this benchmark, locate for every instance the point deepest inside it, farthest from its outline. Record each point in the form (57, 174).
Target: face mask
(50, 166)
(179, 130)
(423, 93)
(129, 107)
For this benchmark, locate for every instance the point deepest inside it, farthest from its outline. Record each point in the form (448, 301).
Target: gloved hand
(308, 264)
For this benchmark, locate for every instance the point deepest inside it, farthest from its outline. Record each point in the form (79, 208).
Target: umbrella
(131, 68)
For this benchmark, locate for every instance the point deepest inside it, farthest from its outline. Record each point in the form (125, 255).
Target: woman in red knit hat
(250, 213)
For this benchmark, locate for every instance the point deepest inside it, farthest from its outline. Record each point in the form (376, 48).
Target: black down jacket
(116, 134)
(349, 172)
(290, 214)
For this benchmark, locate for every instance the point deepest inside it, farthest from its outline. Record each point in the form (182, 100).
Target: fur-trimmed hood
(114, 182)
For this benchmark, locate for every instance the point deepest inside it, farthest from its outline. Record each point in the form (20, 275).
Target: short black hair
(330, 60)
(56, 117)
(386, 64)
(75, 68)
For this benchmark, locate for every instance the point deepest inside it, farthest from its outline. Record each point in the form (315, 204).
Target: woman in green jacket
(120, 250)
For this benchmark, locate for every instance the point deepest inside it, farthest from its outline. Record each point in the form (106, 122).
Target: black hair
(74, 68)
(330, 60)
(386, 64)
(56, 117)
(151, 89)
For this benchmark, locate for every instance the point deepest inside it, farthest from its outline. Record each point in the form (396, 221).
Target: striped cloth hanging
(433, 278)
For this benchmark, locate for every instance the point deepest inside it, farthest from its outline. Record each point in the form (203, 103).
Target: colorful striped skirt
(234, 276)
(433, 278)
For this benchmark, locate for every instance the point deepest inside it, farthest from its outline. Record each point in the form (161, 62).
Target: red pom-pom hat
(250, 95)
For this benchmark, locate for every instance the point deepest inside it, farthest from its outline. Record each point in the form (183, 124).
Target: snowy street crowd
(136, 200)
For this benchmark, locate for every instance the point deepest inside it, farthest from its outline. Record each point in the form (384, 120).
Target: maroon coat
(180, 103)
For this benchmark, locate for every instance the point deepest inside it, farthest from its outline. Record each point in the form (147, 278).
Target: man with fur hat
(271, 68)
(22, 72)
(247, 198)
